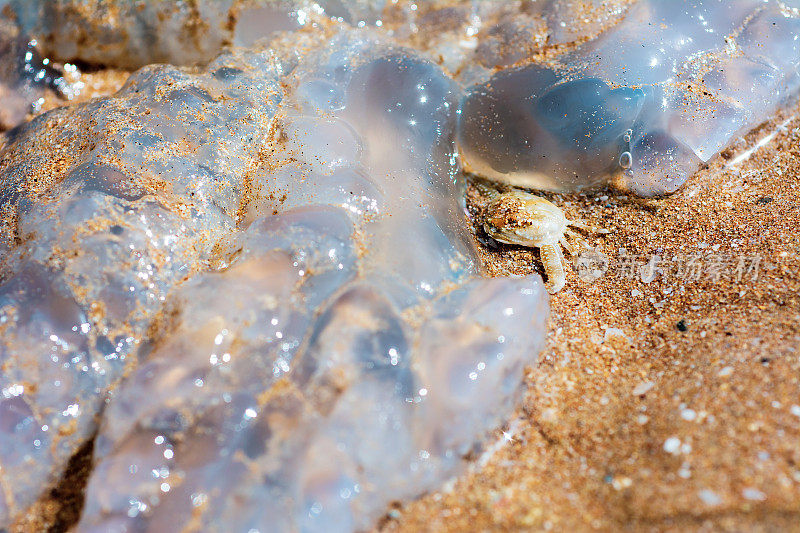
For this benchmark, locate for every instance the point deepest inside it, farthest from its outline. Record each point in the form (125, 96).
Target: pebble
(754, 494)
(672, 445)
(709, 497)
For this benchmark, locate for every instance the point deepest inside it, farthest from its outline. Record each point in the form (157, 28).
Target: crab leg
(566, 244)
(553, 263)
(587, 227)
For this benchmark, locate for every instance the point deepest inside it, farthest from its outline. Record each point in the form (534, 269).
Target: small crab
(519, 217)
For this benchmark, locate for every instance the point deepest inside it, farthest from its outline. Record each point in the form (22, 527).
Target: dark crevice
(59, 509)
(70, 492)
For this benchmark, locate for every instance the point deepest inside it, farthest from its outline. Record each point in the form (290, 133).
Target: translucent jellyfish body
(349, 355)
(105, 208)
(256, 268)
(663, 90)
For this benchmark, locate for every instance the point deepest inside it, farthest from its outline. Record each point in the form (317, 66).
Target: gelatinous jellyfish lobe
(526, 128)
(102, 238)
(348, 354)
(657, 164)
(650, 99)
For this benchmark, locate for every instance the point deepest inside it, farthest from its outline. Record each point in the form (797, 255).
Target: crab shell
(525, 219)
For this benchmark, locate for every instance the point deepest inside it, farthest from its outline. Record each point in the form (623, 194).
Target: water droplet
(627, 136)
(625, 160)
